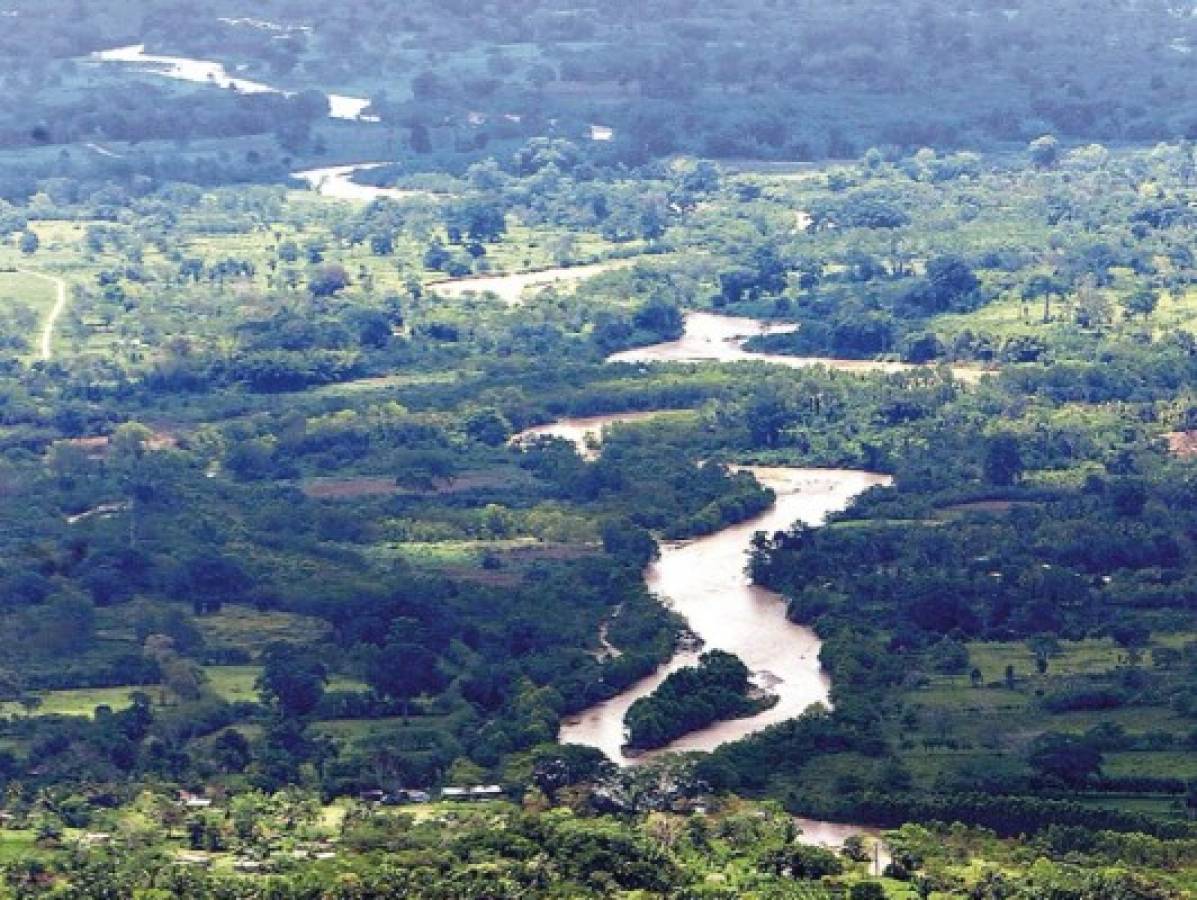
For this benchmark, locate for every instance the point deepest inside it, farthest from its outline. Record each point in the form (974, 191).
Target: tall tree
(292, 680)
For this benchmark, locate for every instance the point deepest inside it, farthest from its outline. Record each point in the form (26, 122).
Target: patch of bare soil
(348, 488)
(97, 447)
(488, 577)
(997, 507)
(1182, 444)
(382, 486)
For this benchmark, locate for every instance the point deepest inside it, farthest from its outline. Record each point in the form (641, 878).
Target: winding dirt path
(47, 339)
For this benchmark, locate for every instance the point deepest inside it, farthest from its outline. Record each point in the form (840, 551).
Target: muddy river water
(585, 432)
(705, 581)
(714, 338)
(512, 287)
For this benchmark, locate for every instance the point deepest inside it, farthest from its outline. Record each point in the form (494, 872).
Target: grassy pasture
(231, 683)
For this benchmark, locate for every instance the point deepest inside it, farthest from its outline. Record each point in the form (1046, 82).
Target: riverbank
(202, 71)
(511, 288)
(710, 337)
(336, 183)
(586, 432)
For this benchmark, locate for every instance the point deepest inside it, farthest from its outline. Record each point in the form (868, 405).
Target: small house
(197, 803)
(406, 795)
(476, 792)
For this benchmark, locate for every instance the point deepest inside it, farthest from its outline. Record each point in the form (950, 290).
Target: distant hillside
(801, 80)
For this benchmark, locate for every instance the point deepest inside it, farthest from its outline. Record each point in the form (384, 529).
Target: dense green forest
(302, 582)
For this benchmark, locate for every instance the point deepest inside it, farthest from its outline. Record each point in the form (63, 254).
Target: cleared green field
(441, 553)
(1075, 658)
(251, 629)
(236, 683)
(79, 702)
(131, 329)
(1164, 807)
(232, 683)
(26, 288)
(1178, 764)
(950, 726)
(452, 553)
(1176, 312)
(28, 300)
(1088, 657)
(18, 846)
(240, 627)
(1009, 316)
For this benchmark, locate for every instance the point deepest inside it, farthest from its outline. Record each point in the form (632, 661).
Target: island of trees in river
(719, 687)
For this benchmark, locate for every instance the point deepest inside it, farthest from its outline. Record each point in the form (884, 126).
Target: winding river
(715, 338)
(586, 432)
(510, 288)
(336, 183)
(704, 580)
(202, 71)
